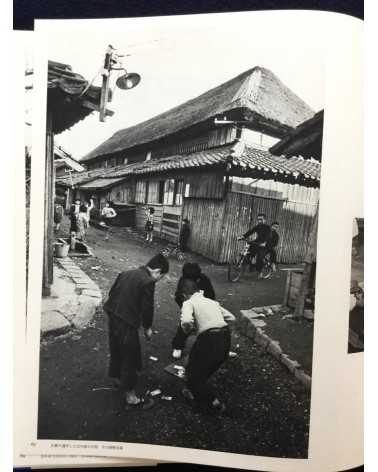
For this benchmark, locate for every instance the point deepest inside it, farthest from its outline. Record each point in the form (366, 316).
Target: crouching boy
(131, 304)
(211, 347)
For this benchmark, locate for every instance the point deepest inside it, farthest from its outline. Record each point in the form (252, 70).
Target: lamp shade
(128, 81)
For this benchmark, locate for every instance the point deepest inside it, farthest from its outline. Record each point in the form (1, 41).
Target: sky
(179, 63)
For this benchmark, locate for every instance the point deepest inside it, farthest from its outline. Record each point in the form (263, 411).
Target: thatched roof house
(256, 95)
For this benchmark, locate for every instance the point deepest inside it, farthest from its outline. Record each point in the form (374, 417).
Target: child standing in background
(150, 224)
(82, 222)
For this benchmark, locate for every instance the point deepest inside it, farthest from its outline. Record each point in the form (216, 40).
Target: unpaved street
(268, 410)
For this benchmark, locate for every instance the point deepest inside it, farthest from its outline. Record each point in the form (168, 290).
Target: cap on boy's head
(152, 210)
(191, 270)
(189, 287)
(159, 262)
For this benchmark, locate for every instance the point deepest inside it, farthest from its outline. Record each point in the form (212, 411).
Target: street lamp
(127, 81)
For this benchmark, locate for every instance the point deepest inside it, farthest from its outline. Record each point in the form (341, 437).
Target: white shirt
(204, 312)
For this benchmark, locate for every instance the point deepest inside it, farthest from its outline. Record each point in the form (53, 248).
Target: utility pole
(105, 81)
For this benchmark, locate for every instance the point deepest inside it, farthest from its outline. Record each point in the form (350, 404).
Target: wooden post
(49, 210)
(105, 82)
(309, 260)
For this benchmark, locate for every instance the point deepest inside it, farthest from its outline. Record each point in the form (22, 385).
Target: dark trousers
(179, 340)
(273, 255)
(125, 352)
(259, 252)
(208, 353)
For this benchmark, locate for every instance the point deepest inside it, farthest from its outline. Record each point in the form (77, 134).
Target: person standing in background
(107, 214)
(150, 224)
(58, 216)
(89, 206)
(184, 235)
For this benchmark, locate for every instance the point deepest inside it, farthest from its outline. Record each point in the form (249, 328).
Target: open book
(186, 171)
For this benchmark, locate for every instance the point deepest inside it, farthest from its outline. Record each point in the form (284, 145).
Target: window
(161, 191)
(169, 190)
(125, 160)
(148, 156)
(187, 190)
(140, 191)
(179, 186)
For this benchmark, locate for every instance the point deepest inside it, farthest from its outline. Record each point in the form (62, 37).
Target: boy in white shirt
(211, 347)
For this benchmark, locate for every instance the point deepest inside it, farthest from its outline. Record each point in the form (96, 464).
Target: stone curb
(86, 299)
(249, 327)
(84, 284)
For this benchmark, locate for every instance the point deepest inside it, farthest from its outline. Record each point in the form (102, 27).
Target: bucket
(61, 250)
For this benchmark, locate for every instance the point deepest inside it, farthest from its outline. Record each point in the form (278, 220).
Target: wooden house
(219, 176)
(70, 98)
(306, 141)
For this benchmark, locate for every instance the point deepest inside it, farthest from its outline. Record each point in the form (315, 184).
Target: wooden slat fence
(241, 213)
(206, 218)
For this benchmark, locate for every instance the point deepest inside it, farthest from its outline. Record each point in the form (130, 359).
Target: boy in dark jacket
(191, 271)
(272, 244)
(131, 304)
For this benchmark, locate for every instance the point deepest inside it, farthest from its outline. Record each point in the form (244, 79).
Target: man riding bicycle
(262, 232)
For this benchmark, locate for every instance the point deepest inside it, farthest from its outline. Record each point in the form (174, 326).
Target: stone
(274, 349)
(54, 323)
(308, 314)
(289, 363)
(261, 338)
(86, 310)
(86, 286)
(92, 293)
(258, 323)
(303, 378)
(276, 308)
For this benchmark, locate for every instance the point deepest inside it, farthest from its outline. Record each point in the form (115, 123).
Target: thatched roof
(246, 161)
(305, 140)
(256, 94)
(70, 98)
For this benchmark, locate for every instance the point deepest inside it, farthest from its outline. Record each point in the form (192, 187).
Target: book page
(259, 76)
(23, 74)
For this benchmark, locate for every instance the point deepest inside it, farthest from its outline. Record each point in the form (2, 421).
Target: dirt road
(268, 410)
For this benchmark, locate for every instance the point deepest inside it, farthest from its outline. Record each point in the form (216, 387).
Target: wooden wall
(141, 217)
(295, 221)
(206, 218)
(206, 184)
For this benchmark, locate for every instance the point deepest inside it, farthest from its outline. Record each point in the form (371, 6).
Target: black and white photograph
(181, 202)
(356, 309)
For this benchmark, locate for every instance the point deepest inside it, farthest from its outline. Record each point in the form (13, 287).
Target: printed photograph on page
(356, 309)
(182, 176)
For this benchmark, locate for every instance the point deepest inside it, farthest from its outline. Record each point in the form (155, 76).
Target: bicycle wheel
(235, 269)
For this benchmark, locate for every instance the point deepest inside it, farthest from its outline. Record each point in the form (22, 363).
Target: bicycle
(237, 267)
(173, 251)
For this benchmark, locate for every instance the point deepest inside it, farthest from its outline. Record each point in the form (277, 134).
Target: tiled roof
(248, 162)
(101, 183)
(70, 97)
